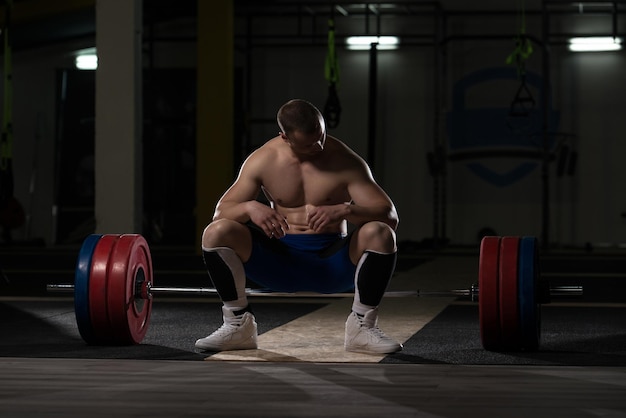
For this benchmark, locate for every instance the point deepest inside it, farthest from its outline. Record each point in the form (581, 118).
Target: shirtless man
(315, 185)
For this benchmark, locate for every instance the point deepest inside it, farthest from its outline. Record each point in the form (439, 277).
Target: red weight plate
(131, 264)
(100, 264)
(508, 288)
(488, 297)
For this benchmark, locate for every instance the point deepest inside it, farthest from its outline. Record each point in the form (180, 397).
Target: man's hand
(319, 217)
(268, 219)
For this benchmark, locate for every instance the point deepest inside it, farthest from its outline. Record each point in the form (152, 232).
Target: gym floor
(300, 368)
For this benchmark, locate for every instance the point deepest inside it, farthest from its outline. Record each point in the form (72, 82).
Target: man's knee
(228, 233)
(377, 236)
(373, 236)
(216, 231)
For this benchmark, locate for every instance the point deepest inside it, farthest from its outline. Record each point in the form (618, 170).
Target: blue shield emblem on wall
(513, 132)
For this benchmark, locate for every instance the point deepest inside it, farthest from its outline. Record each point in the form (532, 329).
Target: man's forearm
(235, 211)
(359, 215)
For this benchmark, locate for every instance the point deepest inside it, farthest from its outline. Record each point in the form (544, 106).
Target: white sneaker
(239, 332)
(364, 336)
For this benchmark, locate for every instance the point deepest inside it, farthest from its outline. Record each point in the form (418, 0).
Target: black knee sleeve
(221, 275)
(373, 274)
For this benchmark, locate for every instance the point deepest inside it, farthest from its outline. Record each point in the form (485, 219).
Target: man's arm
(235, 202)
(239, 202)
(369, 202)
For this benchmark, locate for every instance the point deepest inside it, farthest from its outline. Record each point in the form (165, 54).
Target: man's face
(304, 144)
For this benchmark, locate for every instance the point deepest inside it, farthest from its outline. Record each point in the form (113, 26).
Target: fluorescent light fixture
(365, 42)
(87, 62)
(86, 59)
(606, 43)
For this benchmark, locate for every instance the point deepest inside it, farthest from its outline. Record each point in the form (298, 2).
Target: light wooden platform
(319, 336)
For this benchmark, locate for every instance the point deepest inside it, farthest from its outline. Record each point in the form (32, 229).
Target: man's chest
(294, 186)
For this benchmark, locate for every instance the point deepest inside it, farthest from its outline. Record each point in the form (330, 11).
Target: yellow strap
(523, 46)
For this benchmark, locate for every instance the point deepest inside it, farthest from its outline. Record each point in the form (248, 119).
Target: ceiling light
(86, 59)
(87, 62)
(365, 42)
(606, 43)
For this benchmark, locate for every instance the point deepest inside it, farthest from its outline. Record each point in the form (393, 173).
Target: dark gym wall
(411, 115)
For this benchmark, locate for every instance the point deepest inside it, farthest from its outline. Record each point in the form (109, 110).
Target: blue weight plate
(529, 314)
(81, 288)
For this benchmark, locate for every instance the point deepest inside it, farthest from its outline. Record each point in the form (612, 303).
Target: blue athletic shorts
(298, 262)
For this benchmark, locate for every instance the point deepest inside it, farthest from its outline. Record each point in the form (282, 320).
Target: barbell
(114, 288)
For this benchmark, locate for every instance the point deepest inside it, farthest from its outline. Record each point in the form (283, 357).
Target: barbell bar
(472, 292)
(114, 288)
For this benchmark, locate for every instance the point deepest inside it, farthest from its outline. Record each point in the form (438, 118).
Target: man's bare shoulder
(265, 152)
(271, 145)
(342, 152)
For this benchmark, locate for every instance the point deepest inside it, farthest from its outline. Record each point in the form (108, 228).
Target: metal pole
(545, 161)
(373, 92)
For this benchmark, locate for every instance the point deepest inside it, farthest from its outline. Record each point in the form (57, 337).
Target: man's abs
(297, 220)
